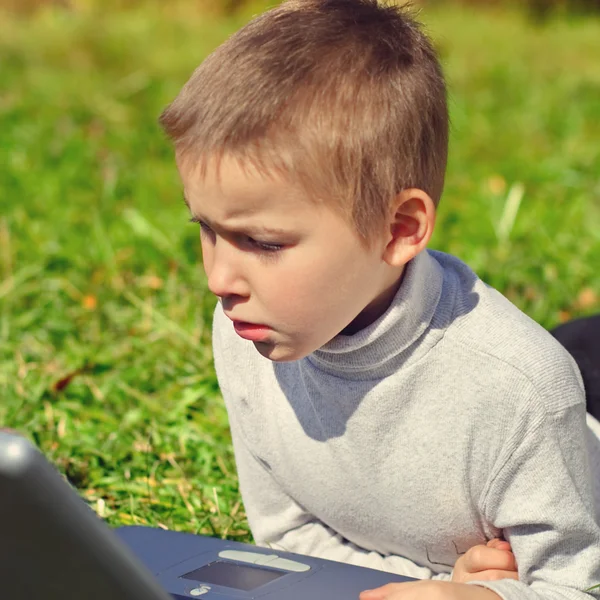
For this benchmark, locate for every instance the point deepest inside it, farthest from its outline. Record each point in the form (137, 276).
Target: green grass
(104, 315)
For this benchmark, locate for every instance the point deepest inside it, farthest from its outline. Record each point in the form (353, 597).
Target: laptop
(54, 547)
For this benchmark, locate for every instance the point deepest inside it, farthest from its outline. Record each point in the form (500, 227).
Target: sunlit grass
(104, 315)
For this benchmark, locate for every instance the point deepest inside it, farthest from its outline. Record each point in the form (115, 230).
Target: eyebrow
(251, 229)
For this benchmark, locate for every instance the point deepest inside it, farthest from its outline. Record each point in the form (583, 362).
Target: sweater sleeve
(540, 496)
(276, 521)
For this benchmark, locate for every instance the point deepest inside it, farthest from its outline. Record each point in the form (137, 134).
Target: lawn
(105, 356)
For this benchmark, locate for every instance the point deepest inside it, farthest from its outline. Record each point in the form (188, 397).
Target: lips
(251, 331)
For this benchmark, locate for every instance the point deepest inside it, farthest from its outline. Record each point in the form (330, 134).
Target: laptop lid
(52, 545)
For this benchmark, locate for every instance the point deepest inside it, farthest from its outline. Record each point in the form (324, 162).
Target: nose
(224, 273)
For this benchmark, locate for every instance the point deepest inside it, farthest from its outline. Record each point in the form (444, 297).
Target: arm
(488, 562)
(278, 522)
(429, 590)
(540, 496)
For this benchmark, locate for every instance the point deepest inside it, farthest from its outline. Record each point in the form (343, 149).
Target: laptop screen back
(53, 546)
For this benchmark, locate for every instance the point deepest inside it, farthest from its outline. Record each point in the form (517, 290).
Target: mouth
(251, 331)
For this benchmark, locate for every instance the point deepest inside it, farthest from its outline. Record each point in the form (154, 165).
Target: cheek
(342, 272)
(314, 290)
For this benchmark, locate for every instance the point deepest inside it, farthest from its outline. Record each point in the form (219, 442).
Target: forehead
(240, 196)
(235, 189)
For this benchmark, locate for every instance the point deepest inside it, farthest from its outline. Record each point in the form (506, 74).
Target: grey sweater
(451, 420)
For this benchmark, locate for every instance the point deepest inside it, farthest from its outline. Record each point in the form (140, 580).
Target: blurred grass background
(105, 354)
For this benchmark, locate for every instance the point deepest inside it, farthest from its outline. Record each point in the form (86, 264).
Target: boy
(387, 408)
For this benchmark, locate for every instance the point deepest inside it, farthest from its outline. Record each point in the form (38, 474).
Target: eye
(264, 246)
(205, 230)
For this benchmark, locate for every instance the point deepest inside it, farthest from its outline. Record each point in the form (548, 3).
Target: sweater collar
(379, 349)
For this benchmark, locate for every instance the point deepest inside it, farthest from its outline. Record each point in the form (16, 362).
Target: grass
(105, 354)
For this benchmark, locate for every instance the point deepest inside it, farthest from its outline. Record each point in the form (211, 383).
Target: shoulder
(512, 348)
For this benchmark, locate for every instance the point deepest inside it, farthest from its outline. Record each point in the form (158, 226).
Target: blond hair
(344, 97)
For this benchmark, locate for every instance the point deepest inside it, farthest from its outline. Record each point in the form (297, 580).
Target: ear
(411, 223)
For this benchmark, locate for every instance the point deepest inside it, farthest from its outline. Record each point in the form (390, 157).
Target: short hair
(344, 97)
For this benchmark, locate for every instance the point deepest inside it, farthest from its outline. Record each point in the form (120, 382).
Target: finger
(376, 594)
(498, 544)
(493, 575)
(382, 592)
(371, 595)
(482, 558)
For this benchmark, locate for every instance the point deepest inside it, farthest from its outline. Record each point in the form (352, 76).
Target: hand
(429, 590)
(491, 562)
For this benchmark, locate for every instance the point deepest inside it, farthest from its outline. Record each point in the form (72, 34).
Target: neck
(379, 349)
(376, 307)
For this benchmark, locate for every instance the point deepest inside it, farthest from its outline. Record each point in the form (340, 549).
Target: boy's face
(291, 274)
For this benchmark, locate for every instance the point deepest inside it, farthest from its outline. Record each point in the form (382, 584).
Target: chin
(279, 353)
